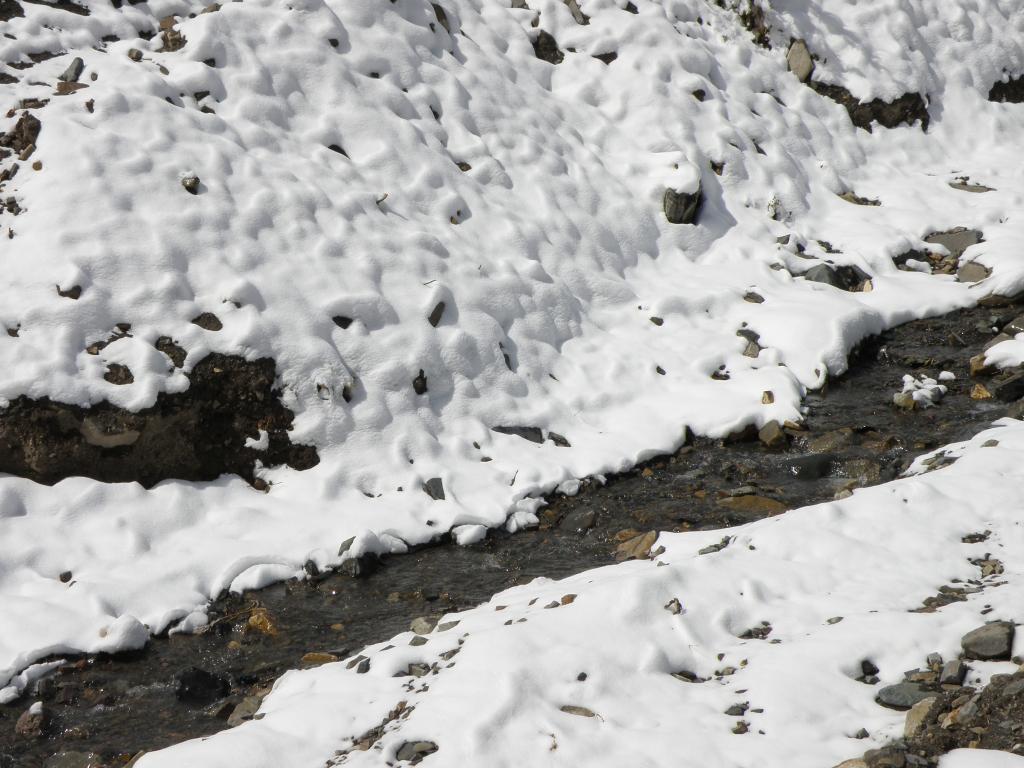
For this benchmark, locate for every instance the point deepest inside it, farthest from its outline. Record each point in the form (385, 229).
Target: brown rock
(753, 506)
(33, 722)
(636, 548)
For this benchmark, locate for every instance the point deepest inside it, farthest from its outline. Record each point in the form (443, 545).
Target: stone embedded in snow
(903, 695)
(572, 709)
(419, 383)
(434, 488)
(845, 278)
(546, 48)
(414, 751)
(533, 434)
(682, 207)
(191, 183)
(990, 642)
(436, 314)
(636, 548)
(799, 61)
(956, 240)
(73, 72)
(244, 710)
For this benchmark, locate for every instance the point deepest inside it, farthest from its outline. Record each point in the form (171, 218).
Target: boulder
(799, 61)
(682, 207)
(989, 642)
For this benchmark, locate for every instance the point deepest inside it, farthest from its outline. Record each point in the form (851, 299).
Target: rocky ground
(104, 710)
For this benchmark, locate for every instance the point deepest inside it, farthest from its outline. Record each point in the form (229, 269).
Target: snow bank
(525, 197)
(779, 620)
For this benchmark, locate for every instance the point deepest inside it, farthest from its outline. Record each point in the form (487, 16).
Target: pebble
(244, 710)
(414, 751)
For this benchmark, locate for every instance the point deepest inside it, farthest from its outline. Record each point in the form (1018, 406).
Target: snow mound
(434, 233)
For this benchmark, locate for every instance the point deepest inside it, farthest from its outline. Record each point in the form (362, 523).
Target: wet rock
(135, 54)
(434, 488)
(74, 760)
(812, 467)
(909, 108)
(903, 695)
(752, 507)
(545, 47)
(317, 658)
(578, 521)
(978, 366)
(244, 710)
(972, 272)
(1010, 388)
(772, 435)
(414, 751)
(989, 642)
(73, 72)
(533, 434)
(799, 61)
(197, 686)
(32, 722)
(682, 207)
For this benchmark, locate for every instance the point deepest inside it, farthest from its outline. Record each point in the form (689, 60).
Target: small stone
(916, 717)
(74, 760)
(674, 607)
(571, 709)
(767, 397)
(74, 292)
(135, 54)
(244, 710)
(682, 207)
(989, 642)
(419, 384)
(32, 722)
(903, 695)
(207, 321)
(980, 392)
(436, 314)
(753, 297)
(904, 400)
(414, 751)
(434, 488)
(753, 506)
(191, 183)
(119, 374)
(579, 521)
(73, 72)
(772, 434)
(423, 625)
(418, 640)
(953, 672)
(799, 61)
(978, 366)
(1010, 388)
(444, 626)
(636, 548)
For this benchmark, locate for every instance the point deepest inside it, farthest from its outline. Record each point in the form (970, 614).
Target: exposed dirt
(908, 108)
(199, 434)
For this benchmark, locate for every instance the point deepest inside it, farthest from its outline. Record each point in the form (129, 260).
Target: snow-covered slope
(548, 246)
(586, 671)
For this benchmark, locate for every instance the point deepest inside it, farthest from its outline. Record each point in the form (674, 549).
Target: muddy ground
(116, 706)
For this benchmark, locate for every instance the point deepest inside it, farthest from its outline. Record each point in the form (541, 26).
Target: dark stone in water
(812, 467)
(197, 686)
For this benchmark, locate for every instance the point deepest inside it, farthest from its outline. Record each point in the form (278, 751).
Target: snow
(837, 584)
(980, 758)
(551, 250)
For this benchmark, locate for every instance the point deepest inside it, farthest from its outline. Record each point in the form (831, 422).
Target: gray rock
(1015, 326)
(73, 760)
(953, 672)
(73, 72)
(533, 434)
(812, 467)
(972, 272)
(414, 751)
(191, 184)
(989, 642)
(956, 241)
(578, 521)
(244, 710)
(1015, 688)
(682, 207)
(903, 695)
(434, 488)
(423, 625)
(845, 278)
(799, 61)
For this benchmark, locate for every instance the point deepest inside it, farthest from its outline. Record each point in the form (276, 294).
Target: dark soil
(118, 706)
(198, 434)
(908, 108)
